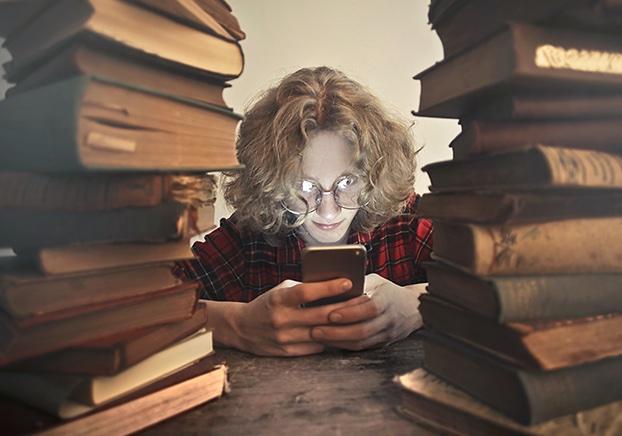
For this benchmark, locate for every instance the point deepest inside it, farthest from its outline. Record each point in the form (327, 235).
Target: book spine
(557, 296)
(52, 145)
(583, 167)
(571, 246)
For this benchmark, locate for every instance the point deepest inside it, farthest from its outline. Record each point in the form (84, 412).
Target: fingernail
(346, 284)
(335, 317)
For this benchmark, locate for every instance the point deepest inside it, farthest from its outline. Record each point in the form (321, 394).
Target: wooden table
(334, 393)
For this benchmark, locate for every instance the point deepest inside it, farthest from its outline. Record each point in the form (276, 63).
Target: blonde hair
(275, 131)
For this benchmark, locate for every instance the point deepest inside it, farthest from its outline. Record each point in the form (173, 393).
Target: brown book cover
(435, 403)
(91, 124)
(88, 58)
(98, 192)
(537, 345)
(582, 245)
(79, 258)
(178, 392)
(113, 354)
(222, 12)
(168, 305)
(16, 13)
(528, 397)
(496, 207)
(505, 299)
(521, 57)
(544, 106)
(480, 137)
(533, 167)
(29, 297)
(127, 25)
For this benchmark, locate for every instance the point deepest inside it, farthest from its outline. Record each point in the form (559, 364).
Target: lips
(325, 227)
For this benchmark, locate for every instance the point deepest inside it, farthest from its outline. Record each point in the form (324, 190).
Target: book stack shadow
(106, 141)
(523, 315)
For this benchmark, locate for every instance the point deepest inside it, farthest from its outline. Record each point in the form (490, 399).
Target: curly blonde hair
(274, 134)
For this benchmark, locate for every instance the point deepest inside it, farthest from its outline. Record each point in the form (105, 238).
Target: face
(326, 158)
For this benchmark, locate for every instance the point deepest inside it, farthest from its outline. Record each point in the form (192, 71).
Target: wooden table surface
(333, 393)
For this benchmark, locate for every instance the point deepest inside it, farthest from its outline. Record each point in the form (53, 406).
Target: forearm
(222, 319)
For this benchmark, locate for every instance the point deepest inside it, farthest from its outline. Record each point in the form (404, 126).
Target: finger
(351, 332)
(379, 339)
(307, 292)
(366, 310)
(292, 335)
(312, 316)
(303, 349)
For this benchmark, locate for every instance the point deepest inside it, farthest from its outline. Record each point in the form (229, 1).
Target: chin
(327, 237)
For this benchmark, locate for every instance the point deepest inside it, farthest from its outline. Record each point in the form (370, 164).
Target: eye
(307, 186)
(345, 182)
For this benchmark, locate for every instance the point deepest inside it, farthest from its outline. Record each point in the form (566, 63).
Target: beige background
(380, 43)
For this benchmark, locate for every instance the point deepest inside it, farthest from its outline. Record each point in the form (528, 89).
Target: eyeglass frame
(322, 193)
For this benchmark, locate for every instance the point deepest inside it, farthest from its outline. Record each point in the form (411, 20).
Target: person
(324, 163)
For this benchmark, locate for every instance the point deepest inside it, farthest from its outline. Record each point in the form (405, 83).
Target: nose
(328, 207)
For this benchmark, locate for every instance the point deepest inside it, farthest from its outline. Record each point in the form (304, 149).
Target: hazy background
(380, 43)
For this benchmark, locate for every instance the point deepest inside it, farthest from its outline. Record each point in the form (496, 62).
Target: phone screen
(335, 261)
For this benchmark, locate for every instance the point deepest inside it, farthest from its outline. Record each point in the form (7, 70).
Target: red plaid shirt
(235, 265)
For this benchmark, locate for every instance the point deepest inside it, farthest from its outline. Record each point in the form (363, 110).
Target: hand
(387, 313)
(274, 324)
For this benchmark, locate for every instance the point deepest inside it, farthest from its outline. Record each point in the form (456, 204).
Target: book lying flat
(168, 305)
(528, 168)
(520, 57)
(496, 207)
(110, 355)
(528, 397)
(88, 58)
(527, 298)
(29, 297)
(97, 192)
(589, 245)
(484, 136)
(69, 396)
(86, 123)
(433, 402)
(537, 345)
(181, 391)
(79, 258)
(130, 26)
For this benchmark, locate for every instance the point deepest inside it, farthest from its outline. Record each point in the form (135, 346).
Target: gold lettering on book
(586, 168)
(592, 61)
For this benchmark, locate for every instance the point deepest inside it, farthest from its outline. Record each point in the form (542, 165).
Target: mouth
(327, 226)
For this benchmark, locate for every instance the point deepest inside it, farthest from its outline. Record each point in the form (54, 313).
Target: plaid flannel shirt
(234, 265)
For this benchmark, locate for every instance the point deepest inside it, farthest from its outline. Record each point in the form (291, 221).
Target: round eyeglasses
(308, 195)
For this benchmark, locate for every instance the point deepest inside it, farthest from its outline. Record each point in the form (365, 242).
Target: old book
(168, 305)
(536, 345)
(523, 298)
(172, 395)
(433, 402)
(496, 207)
(545, 106)
(16, 13)
(159, 223)
(528, 397)
(77, 258)
(84, 58)
(100, 191)
(92, 124)
(527, 168)
(222, 12)
(69, 396)
(582, 245)
(28, 296)
(521, 57)
(113, 354)
(479, 136)
(461, 24)
(127, 25)
(189, 12)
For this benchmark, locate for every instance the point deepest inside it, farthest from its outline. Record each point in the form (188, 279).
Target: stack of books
(116, 116)
(524, 310)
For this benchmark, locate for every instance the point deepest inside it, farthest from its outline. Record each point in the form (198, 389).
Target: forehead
(326, 156)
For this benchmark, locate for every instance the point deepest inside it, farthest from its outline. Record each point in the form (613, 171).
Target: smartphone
(328, 262)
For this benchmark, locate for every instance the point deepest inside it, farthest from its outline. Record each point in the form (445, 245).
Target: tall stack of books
(524, 310)
(106, 139)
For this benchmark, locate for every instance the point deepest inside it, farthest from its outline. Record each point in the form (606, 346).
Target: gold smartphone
(328, 262)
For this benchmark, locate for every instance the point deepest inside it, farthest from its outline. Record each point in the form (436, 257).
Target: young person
(324, 164)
